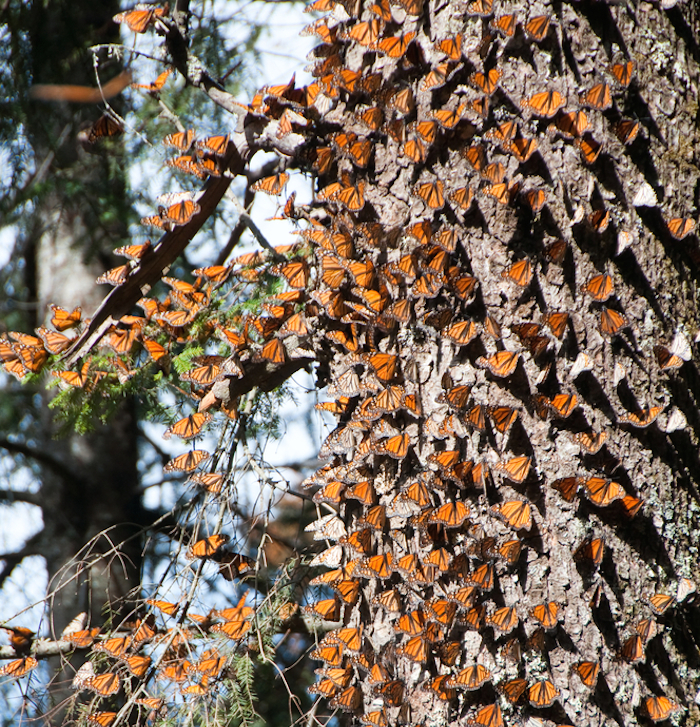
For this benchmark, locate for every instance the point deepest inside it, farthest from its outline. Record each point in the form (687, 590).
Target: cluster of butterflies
(409, 542)
(184, 655)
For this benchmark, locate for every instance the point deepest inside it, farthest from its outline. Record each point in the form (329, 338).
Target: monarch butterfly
(105, 126)
(325, 687)
(667, 361)
(233, 565)
(535, 199)
(516, 469)
(103, 684)
(170, 609)
(501, 364)
(412, 623)
(396, 46)
(503, 193)
(188, 427)
(378, 566)
(390, 600)
(115, 276)
(373, 116)
(590, 150)
(543, 694)
(631, 505)
(661, 708)
(332, 654)
(626, 131)
(62, 320)
(83, 638)
(457, 396)
(471, 678)
(53, 342)
(206, 546)
(567, 487)
(623, 72)
(360, 540)
(431, 193)
(502, 417)
(138, 665)
(181, 140)
(338, 676)
(517, 513)
(187, 462)
(450, 515)
(680, 227)
(591, 442)
(632, 649)
(489, 716)
(510, 551)
(352, 197)
(19, 667)
(572, 124)
(477, 417)
(154, 703)
(403, 102)
(452, 47)
(271, 185)
(366, 33)
(415, 649)
(486, 82)
(235, 629)
(437, 77)
(139, 18)
(591, 550)
(641, 418)
(598, 97)
(563, 405)
(660, 603)
(448, 118)
(461, 333)
(494, 172)
(391, 692)
(361, 152)
(599, 287)
(537, 27)
(102, 719)
(556, 252)
(503, 619)
(156, 85)
(462, 197)
(181, 212)
(546, 103)
(349, 699)
(547, 614)
(445, 459)
(506, 24)
(476, 156)
(646, 629)
(116, 646)
(611, 322)
(374, 719)
(588, 671)
(600, 491)
(442, 610)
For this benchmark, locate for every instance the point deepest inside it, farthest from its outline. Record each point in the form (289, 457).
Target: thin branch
(39, 456)
(248, 222)
(32, 498)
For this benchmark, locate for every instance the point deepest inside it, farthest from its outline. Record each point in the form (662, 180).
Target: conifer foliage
(498, 281)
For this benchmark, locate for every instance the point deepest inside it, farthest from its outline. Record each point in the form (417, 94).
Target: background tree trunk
(89, 484)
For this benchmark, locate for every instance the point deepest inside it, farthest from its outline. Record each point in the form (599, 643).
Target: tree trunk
(93, 486)
(473, 486)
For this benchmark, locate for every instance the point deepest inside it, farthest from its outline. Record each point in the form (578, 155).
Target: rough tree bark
(530, 257)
